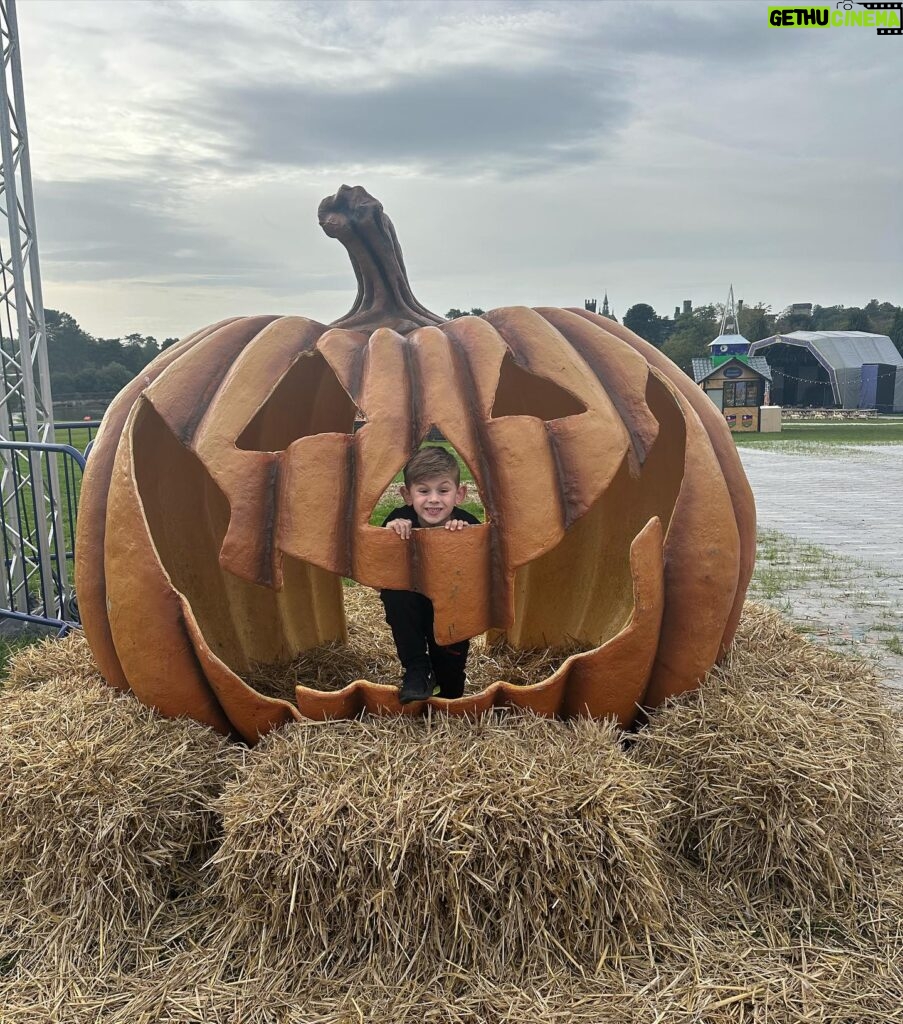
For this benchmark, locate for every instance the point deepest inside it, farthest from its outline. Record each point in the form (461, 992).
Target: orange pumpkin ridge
(228, 493)
(729, 460)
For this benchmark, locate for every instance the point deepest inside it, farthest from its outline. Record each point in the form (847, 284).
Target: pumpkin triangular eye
(308, 400)
(521, 393)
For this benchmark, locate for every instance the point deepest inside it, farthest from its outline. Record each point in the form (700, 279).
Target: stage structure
(34, 582)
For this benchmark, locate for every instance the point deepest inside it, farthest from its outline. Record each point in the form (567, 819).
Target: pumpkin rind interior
(741, 496)
(307, 401)
(589, 570)
(242, 622)
(521, 393)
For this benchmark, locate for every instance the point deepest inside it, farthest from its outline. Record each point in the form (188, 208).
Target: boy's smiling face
(433, 499)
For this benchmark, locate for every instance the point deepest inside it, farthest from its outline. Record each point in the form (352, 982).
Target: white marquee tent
(851, 359)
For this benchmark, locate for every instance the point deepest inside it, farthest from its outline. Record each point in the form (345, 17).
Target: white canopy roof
(843, 355)
(839, 349)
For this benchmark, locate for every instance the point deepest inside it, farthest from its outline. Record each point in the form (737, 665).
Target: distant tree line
(454, 314)
(688, 334)
(82, 366)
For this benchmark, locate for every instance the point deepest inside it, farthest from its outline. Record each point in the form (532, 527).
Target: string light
(850, 373)
(851, 376)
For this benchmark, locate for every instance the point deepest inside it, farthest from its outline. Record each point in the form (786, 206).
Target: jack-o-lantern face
(228, 493)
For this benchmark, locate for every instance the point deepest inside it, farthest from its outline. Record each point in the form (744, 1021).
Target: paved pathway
(848, 500)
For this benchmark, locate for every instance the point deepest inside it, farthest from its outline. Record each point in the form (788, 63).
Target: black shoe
(452, 687)
(417, 684)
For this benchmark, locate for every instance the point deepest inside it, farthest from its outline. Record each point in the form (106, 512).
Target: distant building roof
(702, 367)
(729, 339)
(705, 366)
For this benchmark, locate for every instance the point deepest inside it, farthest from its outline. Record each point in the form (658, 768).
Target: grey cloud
(719, 35)
(463, 120)
(113, 230)
(117, 228)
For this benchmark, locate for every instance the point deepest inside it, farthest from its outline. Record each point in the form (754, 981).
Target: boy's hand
(400, 526)
(456, 524)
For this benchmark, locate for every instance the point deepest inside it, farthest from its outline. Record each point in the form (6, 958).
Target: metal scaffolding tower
(729, 322)
(35, 583)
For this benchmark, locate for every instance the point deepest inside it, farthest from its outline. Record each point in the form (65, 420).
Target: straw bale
(416, 842)
(64, 659)
(724, 978)
(106, 812)
(456, 999)
(739, 861)
(784, 768)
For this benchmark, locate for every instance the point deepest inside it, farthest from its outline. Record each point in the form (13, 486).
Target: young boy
(432, 488)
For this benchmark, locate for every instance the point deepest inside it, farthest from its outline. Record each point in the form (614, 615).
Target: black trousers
(410, 617)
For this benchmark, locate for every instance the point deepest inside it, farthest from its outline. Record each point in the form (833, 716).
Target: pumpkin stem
(384, 296)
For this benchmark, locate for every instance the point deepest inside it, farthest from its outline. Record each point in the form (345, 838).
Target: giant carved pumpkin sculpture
(227, 494)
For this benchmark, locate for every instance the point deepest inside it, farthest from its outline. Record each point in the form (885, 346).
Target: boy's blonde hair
(430, 462)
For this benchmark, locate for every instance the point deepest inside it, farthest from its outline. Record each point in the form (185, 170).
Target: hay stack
(488, 845)
(69, 658)
(739, 860)
(785, 768)
(105, 810)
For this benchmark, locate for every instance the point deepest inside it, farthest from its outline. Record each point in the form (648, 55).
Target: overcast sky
(536, 153)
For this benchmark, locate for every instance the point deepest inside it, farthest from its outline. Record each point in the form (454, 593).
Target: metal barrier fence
(74, 430)
(790, 414)
(37, 577)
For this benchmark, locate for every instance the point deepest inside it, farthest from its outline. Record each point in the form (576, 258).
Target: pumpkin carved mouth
(225, 500)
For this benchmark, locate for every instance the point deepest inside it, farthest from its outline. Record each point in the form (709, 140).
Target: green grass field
(887, 430)
(78, 437)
